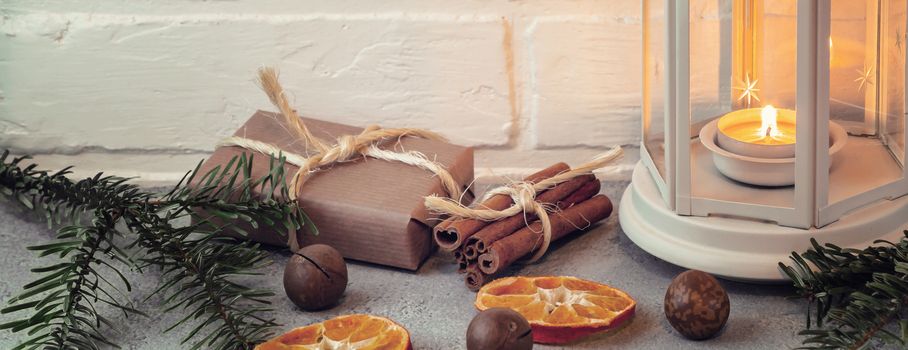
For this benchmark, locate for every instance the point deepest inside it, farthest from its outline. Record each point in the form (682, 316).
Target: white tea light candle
(765, 132)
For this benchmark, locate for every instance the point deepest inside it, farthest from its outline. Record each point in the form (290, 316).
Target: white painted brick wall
(121, 85)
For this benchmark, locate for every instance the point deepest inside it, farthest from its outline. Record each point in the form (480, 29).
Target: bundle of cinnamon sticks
(483, 249)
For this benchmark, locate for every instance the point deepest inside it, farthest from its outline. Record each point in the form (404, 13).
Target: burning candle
(765, 132)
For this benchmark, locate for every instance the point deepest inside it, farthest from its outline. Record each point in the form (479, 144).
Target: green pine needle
(200, 262)
(858, 297)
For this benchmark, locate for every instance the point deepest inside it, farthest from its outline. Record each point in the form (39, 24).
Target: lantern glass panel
(774, 65)
(655, 83)
(852, 65)
(892, 75)
(743, 56)
(710, 63)
(867, 97)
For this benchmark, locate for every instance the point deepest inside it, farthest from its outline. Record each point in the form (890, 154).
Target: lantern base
(742, 249)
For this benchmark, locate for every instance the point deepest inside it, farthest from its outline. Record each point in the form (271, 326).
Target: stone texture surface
(435, 306)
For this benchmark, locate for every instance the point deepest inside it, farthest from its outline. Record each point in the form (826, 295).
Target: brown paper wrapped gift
(369, 209)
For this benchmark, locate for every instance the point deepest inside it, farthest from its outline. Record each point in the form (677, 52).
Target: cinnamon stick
(461, 261)
(583, 193)
(479, 242)
(451, 233)
(475, 278)
(507, 250)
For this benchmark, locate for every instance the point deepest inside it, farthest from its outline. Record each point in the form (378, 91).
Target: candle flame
(769, 128)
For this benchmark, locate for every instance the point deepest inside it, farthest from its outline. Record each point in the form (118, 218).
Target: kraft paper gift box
(369, 209)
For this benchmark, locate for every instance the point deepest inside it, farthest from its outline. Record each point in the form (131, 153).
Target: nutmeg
(696, 305)
(499, 329)
(315, 277)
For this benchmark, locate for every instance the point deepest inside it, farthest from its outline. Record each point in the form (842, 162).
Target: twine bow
(346, 148)
(523, 194)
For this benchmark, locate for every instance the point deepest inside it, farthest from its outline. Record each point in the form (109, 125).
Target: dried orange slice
(350, 332)
(560, 309)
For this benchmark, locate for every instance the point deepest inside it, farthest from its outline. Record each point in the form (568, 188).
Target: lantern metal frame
(746, 240)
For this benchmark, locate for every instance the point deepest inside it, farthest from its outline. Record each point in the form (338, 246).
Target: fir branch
(64, 299)
(199, 262)
(858, 293)
(198, 259)
(58, 196)
(195, 269)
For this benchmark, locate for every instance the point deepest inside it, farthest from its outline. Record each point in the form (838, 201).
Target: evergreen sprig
(64, 299)
(202, 264)
(857, 296)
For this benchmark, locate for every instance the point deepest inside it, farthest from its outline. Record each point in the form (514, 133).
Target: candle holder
(761, 171)
(718, 189)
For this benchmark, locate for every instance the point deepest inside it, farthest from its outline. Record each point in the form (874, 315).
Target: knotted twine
(523, 194)
(345, 149)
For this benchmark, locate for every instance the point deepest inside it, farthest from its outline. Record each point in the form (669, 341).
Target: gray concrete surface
(436, 307)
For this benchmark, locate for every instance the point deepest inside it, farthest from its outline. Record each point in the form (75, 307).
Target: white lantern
(767, 123)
